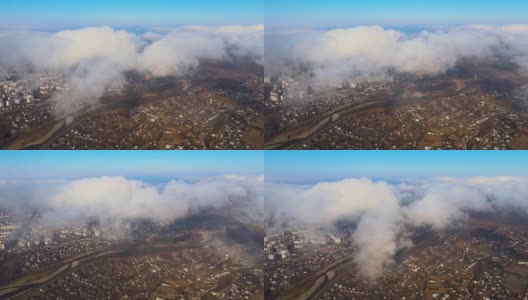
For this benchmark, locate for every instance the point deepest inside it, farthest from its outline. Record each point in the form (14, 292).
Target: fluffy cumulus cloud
(372, 52)
(118, 200)
(441, 205)
(381, 210)
(95, 58)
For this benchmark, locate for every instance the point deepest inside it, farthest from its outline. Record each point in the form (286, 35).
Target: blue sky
(58, 14)
(393, 13)
(280, 166)
(132, 164)
(314, 166)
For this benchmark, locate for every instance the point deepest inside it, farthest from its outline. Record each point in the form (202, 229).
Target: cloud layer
(95, 58)
(372, 52)
(117, 200)
(381, 210)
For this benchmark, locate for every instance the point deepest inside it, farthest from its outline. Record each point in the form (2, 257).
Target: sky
(325, 14)
(61, 14)
(308, 167)
(154, 165)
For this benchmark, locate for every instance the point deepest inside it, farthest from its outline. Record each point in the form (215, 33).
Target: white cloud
(95, 58)
(371, 52)
(381, 209)
(117, 200)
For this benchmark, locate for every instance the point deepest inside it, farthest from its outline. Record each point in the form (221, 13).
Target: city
(263, 150)
(473, 107)
(80, 262)
(217, 109)
(422, 236)
(107, 237)
(487, 261)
